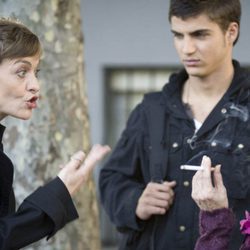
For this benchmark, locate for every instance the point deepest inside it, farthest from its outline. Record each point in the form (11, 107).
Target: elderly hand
(155, 199)
(76, 172)
(207, 196)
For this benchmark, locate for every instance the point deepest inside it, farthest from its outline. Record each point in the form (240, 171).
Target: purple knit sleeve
(215, 229)
(246, 245)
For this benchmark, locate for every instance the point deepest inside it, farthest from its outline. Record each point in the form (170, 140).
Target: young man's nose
(188, 46)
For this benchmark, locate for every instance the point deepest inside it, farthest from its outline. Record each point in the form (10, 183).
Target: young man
(203, 110)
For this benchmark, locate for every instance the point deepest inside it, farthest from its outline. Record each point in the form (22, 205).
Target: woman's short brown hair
(17, 41)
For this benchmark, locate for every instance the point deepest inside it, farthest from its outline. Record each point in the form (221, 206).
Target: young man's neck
(212, 85)
(201, 94)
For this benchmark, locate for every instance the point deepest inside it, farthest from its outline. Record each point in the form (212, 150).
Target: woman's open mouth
(31, 103)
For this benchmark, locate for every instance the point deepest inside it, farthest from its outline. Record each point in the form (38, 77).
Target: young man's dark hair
(222, 12)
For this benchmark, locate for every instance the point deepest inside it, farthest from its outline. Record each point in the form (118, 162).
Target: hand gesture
(76, 172)
(207, 196)
(155, 199)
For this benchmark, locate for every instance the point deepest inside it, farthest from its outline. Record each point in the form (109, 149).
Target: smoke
(238, 111)
(224, 132)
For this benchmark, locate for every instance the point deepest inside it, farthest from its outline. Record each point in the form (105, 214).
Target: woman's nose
(33, 85)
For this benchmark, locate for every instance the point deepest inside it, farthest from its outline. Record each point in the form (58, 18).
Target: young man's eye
(177, 35)
(201, 34)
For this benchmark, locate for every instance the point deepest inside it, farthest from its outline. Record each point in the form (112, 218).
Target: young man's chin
(195, 72)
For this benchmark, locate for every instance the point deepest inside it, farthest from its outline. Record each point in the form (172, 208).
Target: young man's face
(202, 45)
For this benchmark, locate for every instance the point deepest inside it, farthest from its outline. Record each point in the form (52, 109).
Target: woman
(50, 207)
(216, 218)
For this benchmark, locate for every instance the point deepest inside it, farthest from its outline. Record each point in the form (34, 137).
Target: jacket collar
(237, 92)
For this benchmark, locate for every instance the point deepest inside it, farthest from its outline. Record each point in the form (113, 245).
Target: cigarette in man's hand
(192, 167)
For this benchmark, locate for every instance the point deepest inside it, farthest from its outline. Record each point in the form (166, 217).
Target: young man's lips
(191, 62)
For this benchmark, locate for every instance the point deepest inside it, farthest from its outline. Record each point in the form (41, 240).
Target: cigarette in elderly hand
(191, 167)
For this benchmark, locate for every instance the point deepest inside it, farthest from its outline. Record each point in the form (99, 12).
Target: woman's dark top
(40, 215)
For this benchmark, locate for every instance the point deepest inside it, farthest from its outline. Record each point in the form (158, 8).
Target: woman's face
(19, 88)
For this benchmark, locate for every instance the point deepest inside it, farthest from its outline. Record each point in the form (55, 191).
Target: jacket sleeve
(215, 229)
(41, 214)
(120, 179)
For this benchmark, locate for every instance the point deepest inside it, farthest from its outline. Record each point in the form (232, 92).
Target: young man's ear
(232, 32)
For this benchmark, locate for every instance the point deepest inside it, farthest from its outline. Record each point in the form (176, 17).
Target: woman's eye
(37, 73)
(22, 73)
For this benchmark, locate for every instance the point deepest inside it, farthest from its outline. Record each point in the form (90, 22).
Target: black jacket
(224, 136)
(41, 214)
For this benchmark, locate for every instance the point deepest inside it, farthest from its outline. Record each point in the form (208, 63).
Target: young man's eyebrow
(201, 31)
(192, 32)
(174, 32)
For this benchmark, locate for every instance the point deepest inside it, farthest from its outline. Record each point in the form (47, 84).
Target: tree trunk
(60, 126)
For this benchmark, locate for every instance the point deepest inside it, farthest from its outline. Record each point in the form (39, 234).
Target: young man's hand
(155, 199)
(76, 172)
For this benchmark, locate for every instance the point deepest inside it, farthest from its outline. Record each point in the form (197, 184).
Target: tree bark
(60, 126)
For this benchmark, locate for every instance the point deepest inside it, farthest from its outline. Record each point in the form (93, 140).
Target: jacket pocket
(237, 172)
(234, 162)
